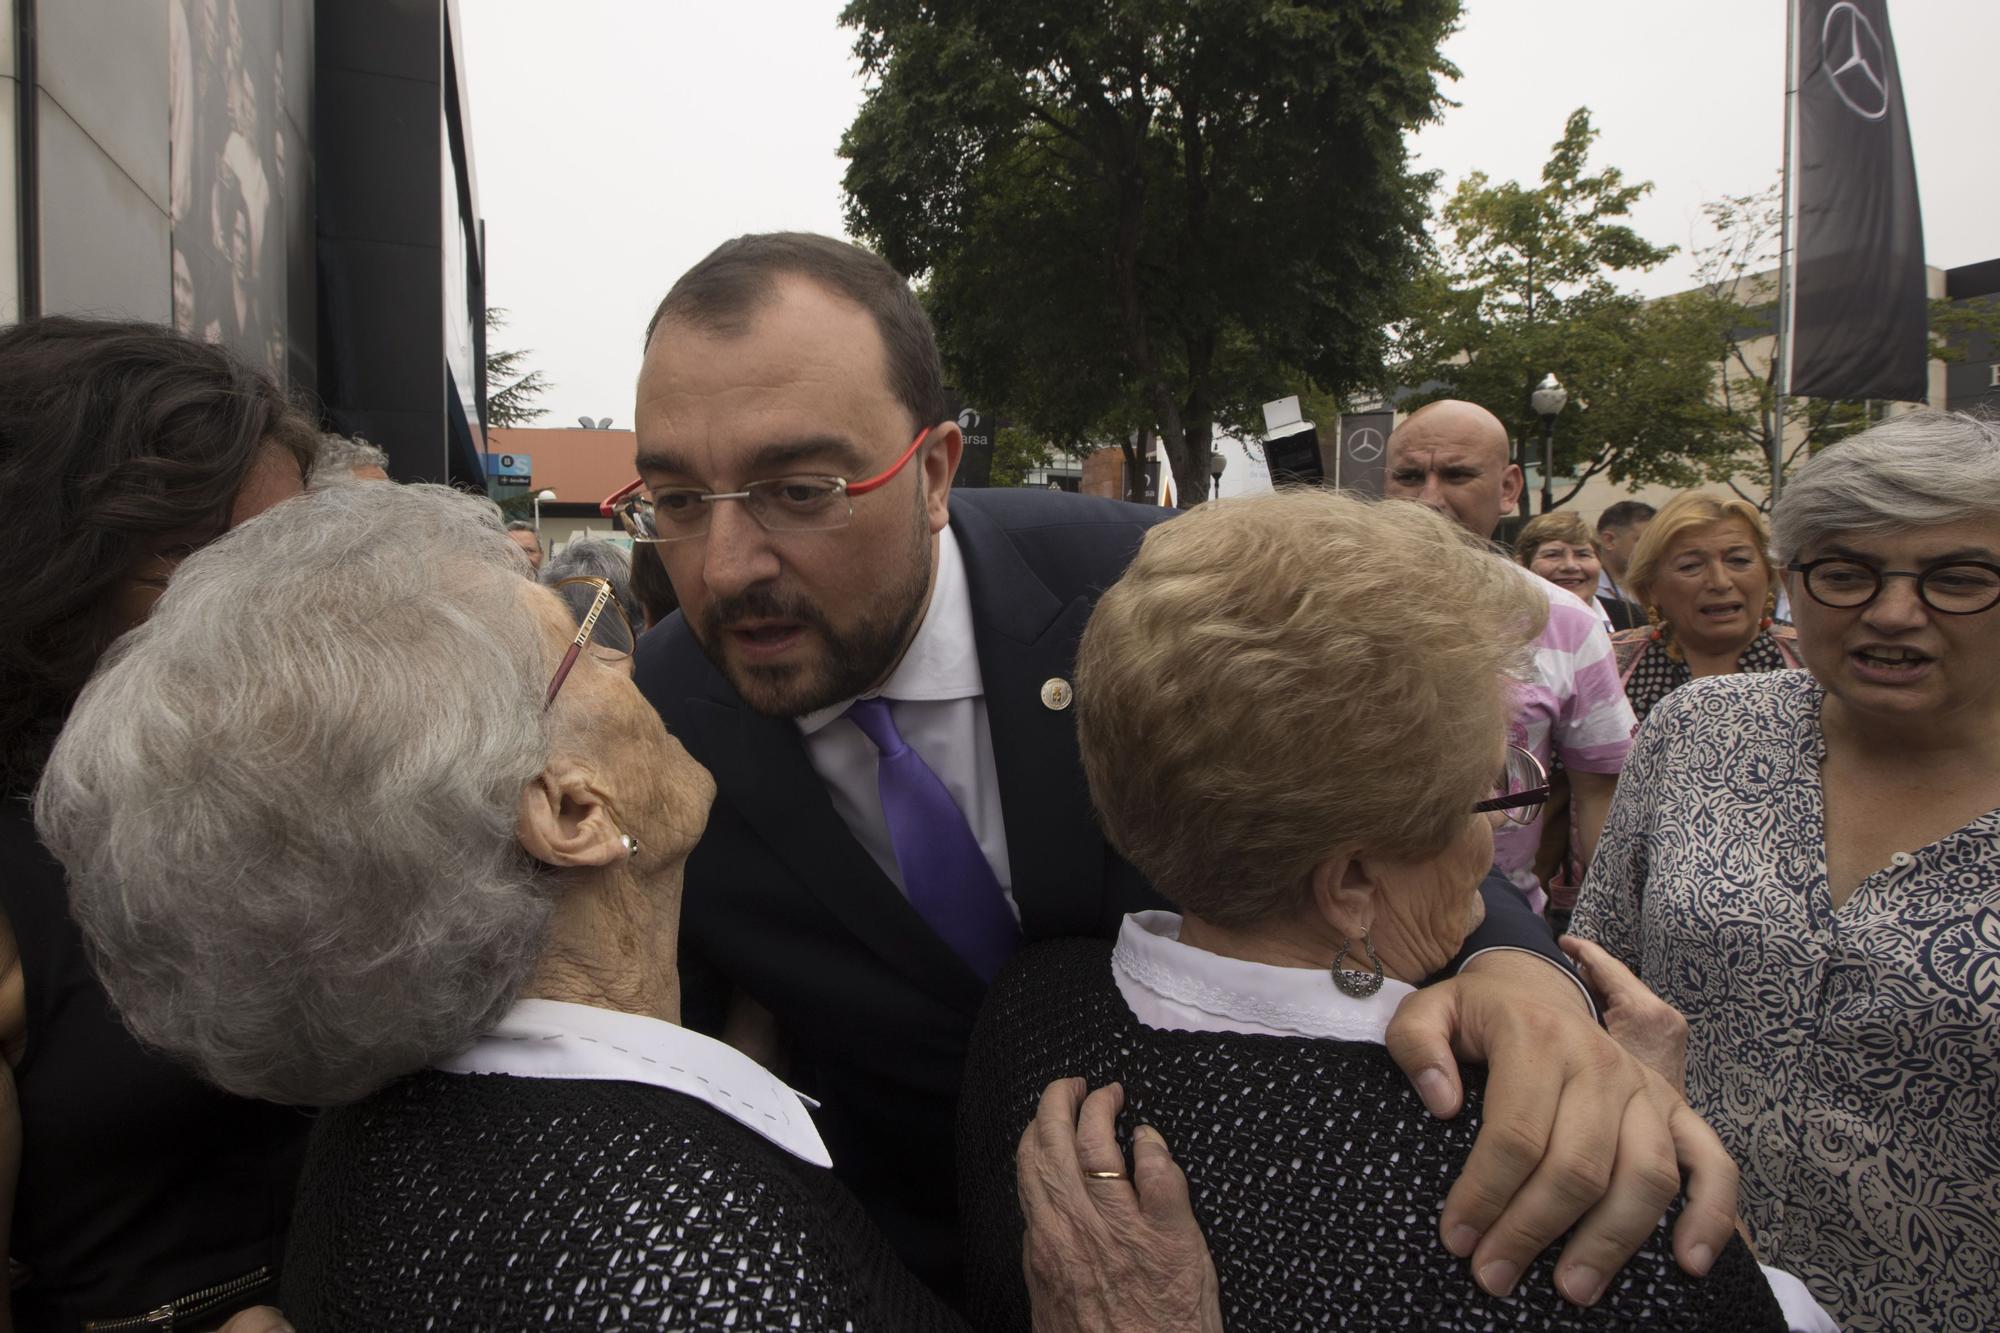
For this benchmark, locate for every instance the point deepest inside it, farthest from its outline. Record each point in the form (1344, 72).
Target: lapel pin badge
(1057, 694)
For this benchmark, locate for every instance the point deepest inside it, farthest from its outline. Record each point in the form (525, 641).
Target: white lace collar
(552, 1039)
(1173, 985)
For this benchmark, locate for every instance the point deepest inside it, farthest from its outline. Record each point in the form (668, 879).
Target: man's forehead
(805, 361)
(1435, 454)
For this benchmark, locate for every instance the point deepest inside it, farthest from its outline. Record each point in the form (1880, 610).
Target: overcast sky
(618, 141)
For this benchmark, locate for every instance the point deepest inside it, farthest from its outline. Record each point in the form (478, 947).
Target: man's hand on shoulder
(1577, 1132)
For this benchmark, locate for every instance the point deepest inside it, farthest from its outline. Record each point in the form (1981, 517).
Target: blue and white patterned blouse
(1847, 1058)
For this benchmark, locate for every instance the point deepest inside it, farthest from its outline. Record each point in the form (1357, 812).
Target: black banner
(1364, 445)
(1859, 324)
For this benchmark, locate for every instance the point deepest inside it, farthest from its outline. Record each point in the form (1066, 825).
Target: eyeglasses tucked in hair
(602, 627)
(1521, 791)
(779, 504)
(1953, 587)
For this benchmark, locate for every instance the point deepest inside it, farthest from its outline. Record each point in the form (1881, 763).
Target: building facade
(291, 178)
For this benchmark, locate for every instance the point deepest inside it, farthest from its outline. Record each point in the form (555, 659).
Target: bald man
(1453, 457)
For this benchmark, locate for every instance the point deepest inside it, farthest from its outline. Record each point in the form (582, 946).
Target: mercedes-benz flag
(1859, 322)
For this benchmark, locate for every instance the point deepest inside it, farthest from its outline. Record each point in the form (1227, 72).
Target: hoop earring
(1358, 984)
(1663, 633)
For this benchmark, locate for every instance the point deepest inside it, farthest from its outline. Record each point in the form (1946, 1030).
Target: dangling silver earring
(1358, 984)
(630, 844)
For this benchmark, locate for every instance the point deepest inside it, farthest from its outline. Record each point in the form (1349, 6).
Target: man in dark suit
(877, 672)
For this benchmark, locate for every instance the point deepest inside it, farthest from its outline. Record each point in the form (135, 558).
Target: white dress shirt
(1175, 986)
(939, 704)
(554, 1039)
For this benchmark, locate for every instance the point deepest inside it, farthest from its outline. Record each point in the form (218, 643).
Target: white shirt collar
(942, 661)
(552, 1039)
(1243, 996)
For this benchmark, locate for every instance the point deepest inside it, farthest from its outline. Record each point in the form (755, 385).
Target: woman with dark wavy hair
(134, 1187)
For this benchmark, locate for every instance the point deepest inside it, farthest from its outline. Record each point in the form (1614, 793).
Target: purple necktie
(946, 876)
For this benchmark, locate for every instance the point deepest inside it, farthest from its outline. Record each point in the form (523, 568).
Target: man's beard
(851, 663)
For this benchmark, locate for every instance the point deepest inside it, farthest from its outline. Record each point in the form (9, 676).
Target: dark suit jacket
(1624, 615)
(782, 901)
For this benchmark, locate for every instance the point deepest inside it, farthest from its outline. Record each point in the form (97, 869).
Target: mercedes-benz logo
(1855, 61)
(968, 419)
(1364, 445)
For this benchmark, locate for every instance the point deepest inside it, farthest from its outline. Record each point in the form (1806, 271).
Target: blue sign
(509, 470)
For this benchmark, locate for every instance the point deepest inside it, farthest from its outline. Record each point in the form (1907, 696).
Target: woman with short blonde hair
(1703, 572)
(1560, 548)
(1303, 747)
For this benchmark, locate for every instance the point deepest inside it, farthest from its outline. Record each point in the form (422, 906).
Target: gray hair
(340, 455)
(594, 558)
(1918, 470)
(279, 877)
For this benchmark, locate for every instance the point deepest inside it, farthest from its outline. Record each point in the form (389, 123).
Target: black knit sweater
(1315, 1172)
(486, 1201)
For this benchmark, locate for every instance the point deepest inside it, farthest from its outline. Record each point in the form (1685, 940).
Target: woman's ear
(564, 820)
(1343, 893)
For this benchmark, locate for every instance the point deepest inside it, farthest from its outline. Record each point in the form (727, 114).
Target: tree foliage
(1130, 215)
(511, 390)
(1526, 286)
(1016, 453)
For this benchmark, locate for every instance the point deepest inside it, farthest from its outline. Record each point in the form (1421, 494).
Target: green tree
(1016, 453)
(511, 389)
(1526, 286)
(1128, 215)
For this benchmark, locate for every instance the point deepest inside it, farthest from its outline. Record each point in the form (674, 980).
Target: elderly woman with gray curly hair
(364, 819)
(1807, 865)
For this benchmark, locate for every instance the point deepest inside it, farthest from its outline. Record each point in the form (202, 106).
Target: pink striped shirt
(1571, 705)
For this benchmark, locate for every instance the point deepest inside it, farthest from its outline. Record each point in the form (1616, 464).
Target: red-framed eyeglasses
(807, 503)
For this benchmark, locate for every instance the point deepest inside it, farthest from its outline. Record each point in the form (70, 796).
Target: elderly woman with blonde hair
(1305, 751)
(1703, 572)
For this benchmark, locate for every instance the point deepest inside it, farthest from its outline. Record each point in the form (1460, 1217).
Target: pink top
(1572, 705)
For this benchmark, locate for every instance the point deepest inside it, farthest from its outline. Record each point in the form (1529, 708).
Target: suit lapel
(1026, 637)
(760, 765)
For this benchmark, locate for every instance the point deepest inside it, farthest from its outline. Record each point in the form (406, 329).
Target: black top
(487, 1201)
(139, 1183)
(782, 901)
(1315, 1172)
(1651, 673)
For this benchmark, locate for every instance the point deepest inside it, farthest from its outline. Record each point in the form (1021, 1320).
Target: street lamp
(1548, 400)
(539, 497)
(1216, 462)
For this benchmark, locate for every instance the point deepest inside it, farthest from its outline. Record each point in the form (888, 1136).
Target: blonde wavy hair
(1282, 675)
(1688, 512)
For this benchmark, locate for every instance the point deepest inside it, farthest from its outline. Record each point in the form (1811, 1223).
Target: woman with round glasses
(1305, 763)
(1703, 572)
(1808, 867)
